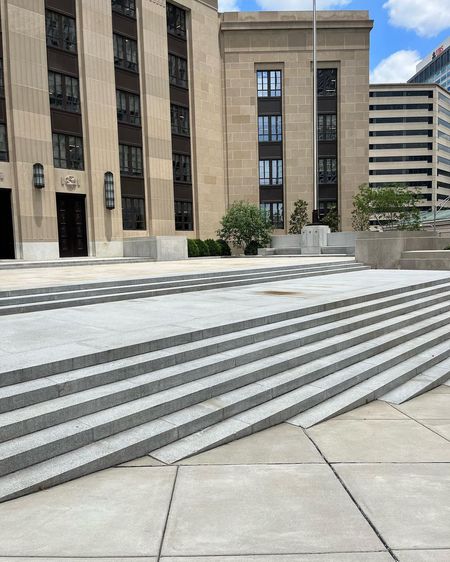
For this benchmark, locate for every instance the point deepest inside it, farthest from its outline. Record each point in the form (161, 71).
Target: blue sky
(404, 30)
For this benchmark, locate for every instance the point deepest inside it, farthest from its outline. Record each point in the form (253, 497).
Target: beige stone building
(409, 135)
(122, 120)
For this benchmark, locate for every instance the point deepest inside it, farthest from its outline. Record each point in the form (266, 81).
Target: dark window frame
(271, 172)
(274, 211)
(61, 38)
(327, 82)
(68, 102)
(270, 128)
(73, 159)
(178, 71)
(131, 160)
(176, 21)
(269, 83)
(133, 215)
(184, 215)
(124, 7)
(327, 171)
(327, 126)
(125, 53)
(4, 153)
(128, 113)
(179, 120)
(182, 168)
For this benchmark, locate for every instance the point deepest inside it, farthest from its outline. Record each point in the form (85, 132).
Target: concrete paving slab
(65, 559)
(423, 555)
(379, 441)
(283, 443)
(431, 405)
(235, 510)
(439, 426)
(408, 503)
(113, 513)
(376, 410)
(335, 557)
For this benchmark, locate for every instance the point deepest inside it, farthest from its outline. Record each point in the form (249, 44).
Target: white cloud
(398, 67)
(300, 4)
(228, 6)
(426, 17)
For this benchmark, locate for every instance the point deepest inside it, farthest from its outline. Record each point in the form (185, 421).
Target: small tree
(332, 219)
(392, 207)
(299, 217)
(244, 223)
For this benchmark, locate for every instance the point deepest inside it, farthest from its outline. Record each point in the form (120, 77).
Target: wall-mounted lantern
(38, 176)
(109, 190)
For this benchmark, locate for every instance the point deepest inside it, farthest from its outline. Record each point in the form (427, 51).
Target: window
(181, 168)
(125, 52)
(178, 71)
(61, 31)
(128, 108)
(176, 21)
(274, 211)
(67, 151)
(327, 127)
(3, 143)
(125, 7)
(271, 172)
(402, 133)
(133, 213)
(130, 158)
(401, 172)
(398, 106)
(183, 215)
(326, 206)
(179, 117)
(327, 82)
(269, 128)
(380, 120)
(426, 145)
(327, 170)
(402, 93)
(428, 159)
(64, 92)
(269, 83)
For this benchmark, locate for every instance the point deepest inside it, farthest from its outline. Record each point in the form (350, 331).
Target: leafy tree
(299, 217)
(332, 219)
(393, 207)
(244, 223)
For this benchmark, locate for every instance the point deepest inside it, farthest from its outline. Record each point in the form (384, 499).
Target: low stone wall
(160, 248)
(383, 250)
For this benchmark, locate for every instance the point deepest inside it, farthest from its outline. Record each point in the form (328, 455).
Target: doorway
(71, 225)
(6, 226)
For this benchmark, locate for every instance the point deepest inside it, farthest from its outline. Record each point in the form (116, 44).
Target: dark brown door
(71, 225)
(6, 226)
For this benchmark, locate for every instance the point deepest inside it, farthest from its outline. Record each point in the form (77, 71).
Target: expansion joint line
(168, 514)
(360, 509)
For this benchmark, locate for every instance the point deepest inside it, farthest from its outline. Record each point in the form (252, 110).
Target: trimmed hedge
(193, 251)
(252, 248)
(213, 247)
(202, 248)
(225, 250)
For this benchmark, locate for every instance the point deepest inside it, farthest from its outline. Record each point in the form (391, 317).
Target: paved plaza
(372, 485)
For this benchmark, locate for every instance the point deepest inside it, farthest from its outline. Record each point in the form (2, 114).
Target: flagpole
(315, 217)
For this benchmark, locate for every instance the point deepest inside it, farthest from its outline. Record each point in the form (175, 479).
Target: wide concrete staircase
(181, 395)
(46, 298)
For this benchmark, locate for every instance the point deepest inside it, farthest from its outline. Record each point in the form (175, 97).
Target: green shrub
(447, 248)
(193, 251)
(252, 248)
(225, 249)
(213, 247)
(202, 248)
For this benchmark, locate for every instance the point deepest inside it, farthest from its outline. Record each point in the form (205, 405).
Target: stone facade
(224, 53)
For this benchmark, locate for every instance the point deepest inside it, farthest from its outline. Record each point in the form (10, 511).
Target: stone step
(77, 369)
(126, 373)
(428, 364)
(340, 250)
(150, 436)
(165, 281)
(427, 380)
(46, 304)
(69, 262)
(291, 403)
(242, 365)
(378, 299)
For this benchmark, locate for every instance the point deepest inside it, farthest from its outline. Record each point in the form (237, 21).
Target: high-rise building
(123, 120)
(435, 68)
(409, 136)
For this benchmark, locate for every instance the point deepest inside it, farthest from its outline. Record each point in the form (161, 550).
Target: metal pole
(315, 217)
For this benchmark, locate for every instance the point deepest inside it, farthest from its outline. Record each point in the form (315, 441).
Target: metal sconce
(109, 190)
(38, 176)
